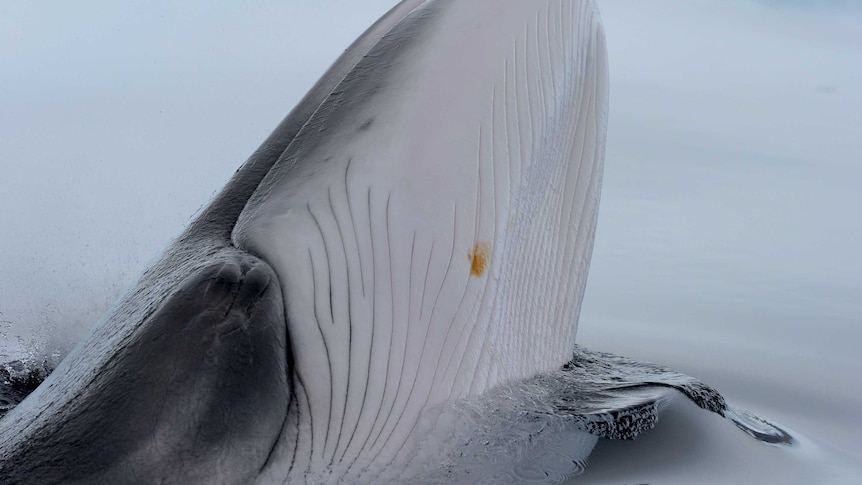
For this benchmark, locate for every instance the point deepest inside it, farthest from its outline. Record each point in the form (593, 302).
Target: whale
(386, 291)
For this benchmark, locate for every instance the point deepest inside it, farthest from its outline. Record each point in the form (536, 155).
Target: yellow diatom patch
(479, 257)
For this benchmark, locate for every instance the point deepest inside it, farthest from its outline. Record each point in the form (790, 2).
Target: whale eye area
(479, 256)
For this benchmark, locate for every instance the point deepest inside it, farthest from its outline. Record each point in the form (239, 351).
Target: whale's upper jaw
(431, 224)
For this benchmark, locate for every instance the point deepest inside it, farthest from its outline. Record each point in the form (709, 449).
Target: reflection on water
(757, 427)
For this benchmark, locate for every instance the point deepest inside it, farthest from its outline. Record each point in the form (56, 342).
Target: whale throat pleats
(431, 225)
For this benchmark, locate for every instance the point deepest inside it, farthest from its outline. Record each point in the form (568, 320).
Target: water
(728, 236)
(728, 232)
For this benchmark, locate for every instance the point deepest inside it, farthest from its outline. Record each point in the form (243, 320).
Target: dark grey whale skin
(185, 378)
(199, 385)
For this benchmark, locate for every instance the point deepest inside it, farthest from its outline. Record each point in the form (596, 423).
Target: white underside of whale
(432, 223)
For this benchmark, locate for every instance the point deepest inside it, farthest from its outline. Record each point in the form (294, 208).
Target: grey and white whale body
(386, 291)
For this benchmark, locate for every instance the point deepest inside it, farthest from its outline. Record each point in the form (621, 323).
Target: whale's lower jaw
(432, 224)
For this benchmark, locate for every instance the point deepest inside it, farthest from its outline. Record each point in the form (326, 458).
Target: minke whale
(386, 291)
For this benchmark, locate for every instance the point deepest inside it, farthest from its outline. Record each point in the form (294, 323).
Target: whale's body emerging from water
(387, 290)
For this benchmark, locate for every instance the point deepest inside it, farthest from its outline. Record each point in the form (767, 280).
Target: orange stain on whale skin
(479, 257)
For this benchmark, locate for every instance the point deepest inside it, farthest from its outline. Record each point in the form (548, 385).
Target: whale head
(416, 233)
(432, 222)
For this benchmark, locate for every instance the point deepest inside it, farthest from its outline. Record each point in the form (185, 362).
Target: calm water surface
(729, 233)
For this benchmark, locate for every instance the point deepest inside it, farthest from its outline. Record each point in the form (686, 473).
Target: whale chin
(388, 290)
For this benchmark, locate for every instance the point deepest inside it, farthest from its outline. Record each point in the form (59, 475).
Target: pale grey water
(729, 226)
(729, 232)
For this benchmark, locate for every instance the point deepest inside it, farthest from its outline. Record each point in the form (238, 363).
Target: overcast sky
(119, 120)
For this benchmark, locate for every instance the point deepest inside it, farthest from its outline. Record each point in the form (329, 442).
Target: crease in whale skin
(432, 223)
